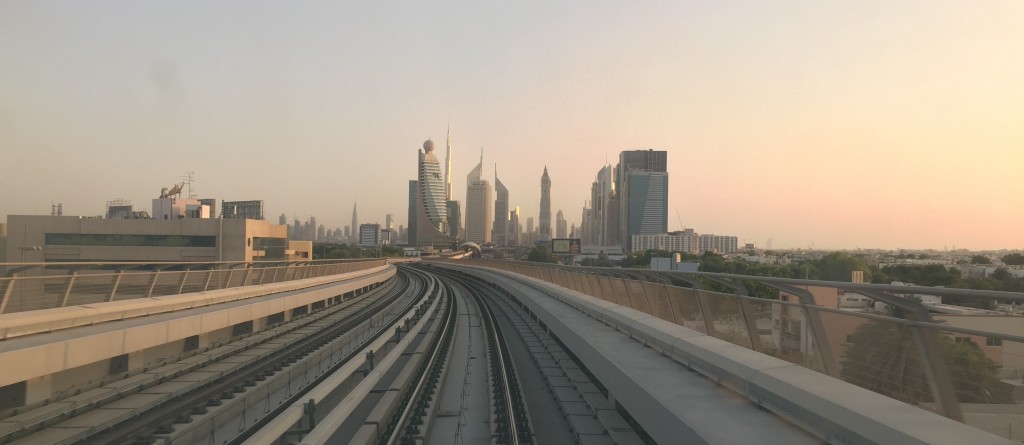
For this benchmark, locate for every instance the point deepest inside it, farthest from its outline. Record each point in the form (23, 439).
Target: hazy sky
(842, 124)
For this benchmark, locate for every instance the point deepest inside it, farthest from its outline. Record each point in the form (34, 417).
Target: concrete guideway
(47, 353)
(673, 403)
(48, 320)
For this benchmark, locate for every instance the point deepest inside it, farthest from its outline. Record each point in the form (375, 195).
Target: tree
(540, 254)
(882, 357)
(838, 266)
(980, 259)
(1013, 259)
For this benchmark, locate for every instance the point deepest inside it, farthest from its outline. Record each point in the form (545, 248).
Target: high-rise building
(413, 211)
(454, 219)
(545, 206)
(499, 232)
(369, 234)
(479, 205)
(530, 235)
(389, 221)
(513, 228)
(430, 210)
(321, 233)
(641, 183)
(355, 221)
(600, 225)
(561, 226)
(282, 220)
(448, 195)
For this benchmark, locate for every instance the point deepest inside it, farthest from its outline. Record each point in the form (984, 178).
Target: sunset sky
(871, 124)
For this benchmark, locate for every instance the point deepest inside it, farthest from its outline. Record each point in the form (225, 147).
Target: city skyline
(867, 125)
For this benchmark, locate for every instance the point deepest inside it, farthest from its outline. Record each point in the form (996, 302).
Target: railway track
(434, 356)
(159, 404)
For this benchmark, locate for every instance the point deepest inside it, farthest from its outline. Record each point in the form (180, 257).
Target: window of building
(117, 240)
(273, 248)
(989, 341)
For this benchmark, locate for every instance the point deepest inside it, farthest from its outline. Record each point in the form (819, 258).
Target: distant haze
(838, 124)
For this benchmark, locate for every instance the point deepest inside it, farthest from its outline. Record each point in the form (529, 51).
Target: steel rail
(421, 384)
(504, 366)
(182, 404)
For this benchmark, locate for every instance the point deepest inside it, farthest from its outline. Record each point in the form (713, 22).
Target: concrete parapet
(48, 320)
(168, 319)
(833, 410)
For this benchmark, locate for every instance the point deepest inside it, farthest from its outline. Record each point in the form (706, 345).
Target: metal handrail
(57, 284)
(704, 308)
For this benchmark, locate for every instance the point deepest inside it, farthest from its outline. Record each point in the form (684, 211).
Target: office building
(600, 225)
(641, 183)
(561, 226)
(355, 221)
(454, 219)
(369, 235)
(479, 205)
(428, 221)
(389, 221)
(73, 238)
(513, 228)
(720, 244)
(499, 231)
(545, 206)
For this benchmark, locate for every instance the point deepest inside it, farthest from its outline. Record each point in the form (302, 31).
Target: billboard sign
(565, 246)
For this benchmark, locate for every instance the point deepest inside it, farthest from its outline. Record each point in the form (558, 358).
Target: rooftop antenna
(189, 177)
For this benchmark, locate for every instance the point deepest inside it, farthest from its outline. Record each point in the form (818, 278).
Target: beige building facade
(45, 238)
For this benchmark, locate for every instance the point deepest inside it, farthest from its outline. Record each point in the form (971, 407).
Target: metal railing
(968, 366)
(35, 286)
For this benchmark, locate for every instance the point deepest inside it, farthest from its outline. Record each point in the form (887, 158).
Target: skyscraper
(479, 205)
(389, 221)
(513, 228)
(413, 213)
(499, 232)
(355, 224)
(454, 219)
(600, 226)
(448, 168)
(531, 236)
(545, 206)
(431, 207)
(641, 183)
(282, 220)
(561, 227)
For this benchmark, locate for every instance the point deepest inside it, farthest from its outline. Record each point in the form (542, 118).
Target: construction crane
(680, 218)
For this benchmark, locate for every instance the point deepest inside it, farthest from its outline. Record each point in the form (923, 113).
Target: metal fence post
(152, 283)
(117, 282)
(8, 291)
(745, 311)
(67, 292)
(817, 329)
(184, 277)
(930, 349)
(209, 277)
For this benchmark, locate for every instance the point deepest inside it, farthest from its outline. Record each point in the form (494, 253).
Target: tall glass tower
(431, 219)
(545, 206)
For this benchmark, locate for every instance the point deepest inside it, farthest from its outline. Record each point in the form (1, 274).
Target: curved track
(433, 356)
